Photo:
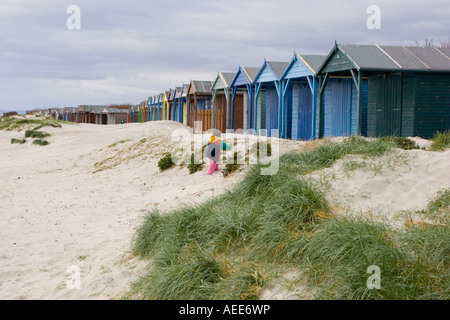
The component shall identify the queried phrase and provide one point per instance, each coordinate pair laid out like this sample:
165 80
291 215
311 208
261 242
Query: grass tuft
19 141
441 141
40 142
230 247
165 162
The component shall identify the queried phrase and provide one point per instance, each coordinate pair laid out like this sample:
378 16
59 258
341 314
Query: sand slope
77 202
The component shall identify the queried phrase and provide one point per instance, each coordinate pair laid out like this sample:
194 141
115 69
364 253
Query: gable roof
271 71
223 80
249 74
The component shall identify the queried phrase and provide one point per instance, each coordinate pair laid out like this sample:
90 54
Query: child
215 145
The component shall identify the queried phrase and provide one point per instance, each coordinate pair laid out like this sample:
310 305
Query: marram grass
232 246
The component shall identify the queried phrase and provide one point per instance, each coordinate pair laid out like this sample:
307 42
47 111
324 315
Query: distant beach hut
115 115
221 89
184 93
270 89
171 110
299 79
243 82
69 114
154 102
89 113
199 101
166 105
178 104
97 116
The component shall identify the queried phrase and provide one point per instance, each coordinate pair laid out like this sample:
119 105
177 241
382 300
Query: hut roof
228 77
278 67
314 61
114 110
394 58
198 86
251 73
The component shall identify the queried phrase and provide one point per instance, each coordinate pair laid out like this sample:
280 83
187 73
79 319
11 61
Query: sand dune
78 201
74 205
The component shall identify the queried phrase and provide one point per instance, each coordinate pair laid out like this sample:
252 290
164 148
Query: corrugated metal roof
202 86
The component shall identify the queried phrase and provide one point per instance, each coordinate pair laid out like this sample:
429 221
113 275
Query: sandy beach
77 202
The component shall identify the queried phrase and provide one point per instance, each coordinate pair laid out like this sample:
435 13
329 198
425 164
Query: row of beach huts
371 90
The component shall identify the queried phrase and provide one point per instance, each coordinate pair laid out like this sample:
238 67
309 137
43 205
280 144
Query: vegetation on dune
194 167
166 162
232 246
19 141
20 123
441 141
402 142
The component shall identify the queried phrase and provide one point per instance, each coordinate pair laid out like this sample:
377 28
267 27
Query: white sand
389 188
57 213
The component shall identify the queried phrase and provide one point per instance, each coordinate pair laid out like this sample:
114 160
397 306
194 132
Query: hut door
389 101
304 112
271 110
338 103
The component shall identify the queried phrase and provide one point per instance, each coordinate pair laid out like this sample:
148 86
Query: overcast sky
126 50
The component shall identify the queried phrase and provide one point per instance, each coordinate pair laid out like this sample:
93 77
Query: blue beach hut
299 78
269 89
243 81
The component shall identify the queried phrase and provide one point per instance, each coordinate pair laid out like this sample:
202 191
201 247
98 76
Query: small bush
40 142
36 134
20 141
194 167
268 148
441 141
401 142
231 167
165 162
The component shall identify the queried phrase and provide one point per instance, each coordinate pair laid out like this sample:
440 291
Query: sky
125 51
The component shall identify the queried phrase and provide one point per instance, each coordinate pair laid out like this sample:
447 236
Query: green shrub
165 162
194 167
36 134
40 142
401 142
20 141
231 167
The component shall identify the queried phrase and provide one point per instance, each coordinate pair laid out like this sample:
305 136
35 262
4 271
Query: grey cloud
127 48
